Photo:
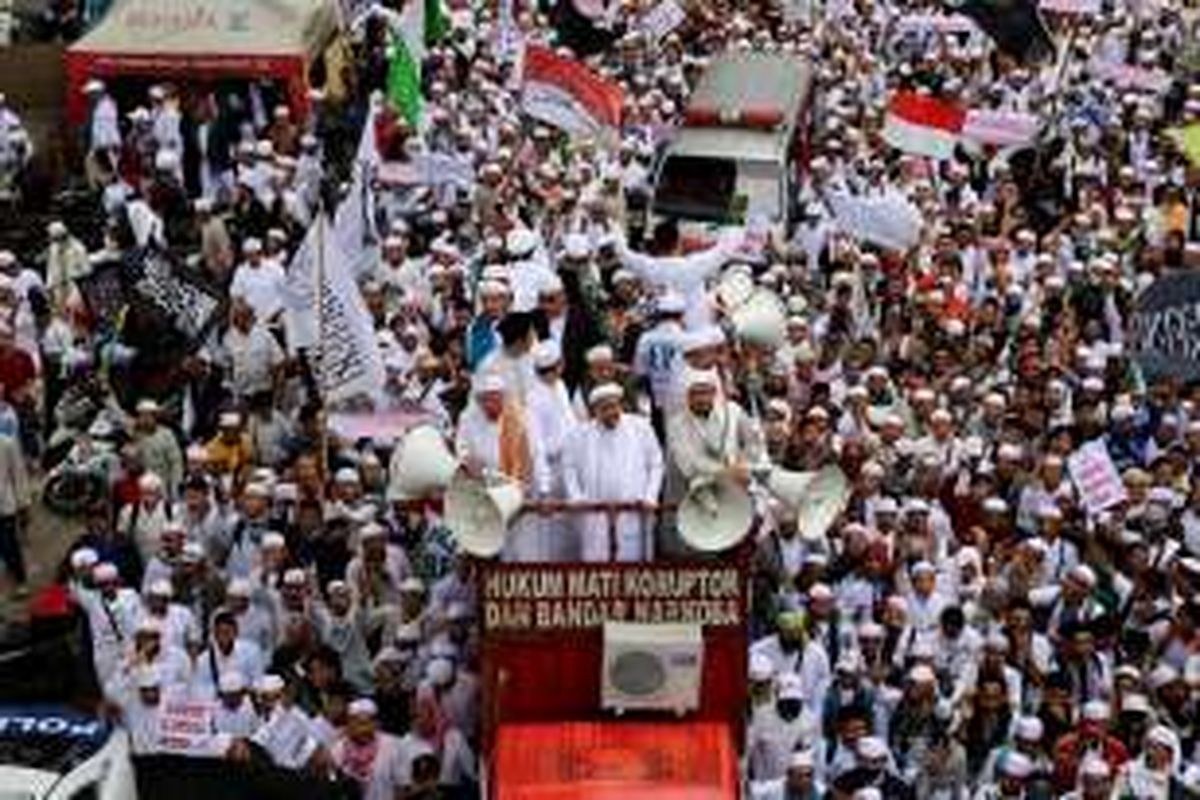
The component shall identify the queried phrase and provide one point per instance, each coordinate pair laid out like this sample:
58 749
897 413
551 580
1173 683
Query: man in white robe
552 420
614 458
685 274
226 653
712 438
112 612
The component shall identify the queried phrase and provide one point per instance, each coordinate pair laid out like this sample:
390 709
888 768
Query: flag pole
319 290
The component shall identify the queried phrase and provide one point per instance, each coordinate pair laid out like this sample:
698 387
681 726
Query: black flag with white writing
1014 25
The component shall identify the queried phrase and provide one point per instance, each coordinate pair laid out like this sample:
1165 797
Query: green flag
404 82
437 24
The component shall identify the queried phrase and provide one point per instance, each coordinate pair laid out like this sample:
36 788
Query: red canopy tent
181 39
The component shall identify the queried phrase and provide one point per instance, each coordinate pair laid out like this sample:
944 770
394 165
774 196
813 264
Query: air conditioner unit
652 667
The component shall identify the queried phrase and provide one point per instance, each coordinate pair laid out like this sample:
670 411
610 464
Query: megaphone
479 510
423 465
818 498
761 320
715 515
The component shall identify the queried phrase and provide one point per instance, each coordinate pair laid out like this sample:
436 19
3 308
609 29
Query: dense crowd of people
971 625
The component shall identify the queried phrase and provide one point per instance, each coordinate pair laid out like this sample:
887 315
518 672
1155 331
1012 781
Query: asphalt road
45 542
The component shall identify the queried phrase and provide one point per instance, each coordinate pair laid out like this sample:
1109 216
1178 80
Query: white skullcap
363 707
520 242
269 684
709 336
1016 764
922 674
407 633
1096 711
761 668
599 353
1029 729
802 759
871 748
547 354
1095 767
295 577
577 246
231 681
84 558
239 587
605 391
702 377
440 671
272 540
488 383
149 482
161 588
105 572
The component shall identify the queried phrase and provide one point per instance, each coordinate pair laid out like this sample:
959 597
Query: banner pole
318 294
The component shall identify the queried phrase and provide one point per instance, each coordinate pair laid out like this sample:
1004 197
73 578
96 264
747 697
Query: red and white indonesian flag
568 95
923 125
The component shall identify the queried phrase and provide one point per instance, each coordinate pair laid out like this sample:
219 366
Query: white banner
1096 477
889 220
348 362
185 727
1001 128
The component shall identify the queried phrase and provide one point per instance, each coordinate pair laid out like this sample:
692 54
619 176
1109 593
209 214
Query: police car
55 753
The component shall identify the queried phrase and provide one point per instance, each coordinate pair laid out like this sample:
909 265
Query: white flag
341 339
354 222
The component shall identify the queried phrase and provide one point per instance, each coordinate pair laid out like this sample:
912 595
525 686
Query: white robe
112 624
245 658
389 772
624 464
240 722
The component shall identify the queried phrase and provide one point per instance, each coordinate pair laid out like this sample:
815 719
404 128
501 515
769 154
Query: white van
741 146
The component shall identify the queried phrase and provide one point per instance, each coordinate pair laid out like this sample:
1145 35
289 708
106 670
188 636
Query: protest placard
1096 477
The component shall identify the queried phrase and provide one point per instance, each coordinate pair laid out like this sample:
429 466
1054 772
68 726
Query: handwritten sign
520 599
1096 477
663 18
1081 7
185 727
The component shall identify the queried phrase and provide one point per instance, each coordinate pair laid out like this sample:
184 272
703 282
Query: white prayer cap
84 558
709 336
1029 729
702 378
995 505
520 242
761 668
605 391
258 489
820 591
231 682
1084 575
363 707
1136 703
923 568
1095 767
802 759
552 284
1009 452
1096 711
273 540
286 492
160 588
149 625
229 419
941 415
412 584
547 354
789 687
1160 676
867 793
149 482
871 747
490 288
105 572
56 229
440 671
252 245
489 383
93 86
1015 764
601 353
408 633
148 406
295 577
922 674
238 587
347 475
577 246
269 684
193 553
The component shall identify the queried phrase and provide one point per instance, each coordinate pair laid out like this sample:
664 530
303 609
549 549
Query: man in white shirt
255 357
259 281
226 653
112 612
614 458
